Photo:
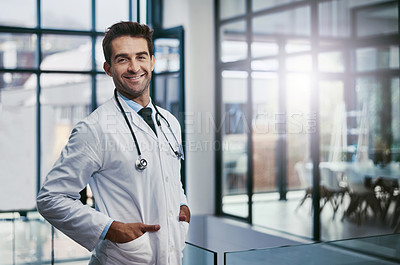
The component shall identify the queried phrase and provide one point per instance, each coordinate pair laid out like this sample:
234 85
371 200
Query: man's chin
131 93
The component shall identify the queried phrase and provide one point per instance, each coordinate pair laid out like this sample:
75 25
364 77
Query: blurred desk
391 170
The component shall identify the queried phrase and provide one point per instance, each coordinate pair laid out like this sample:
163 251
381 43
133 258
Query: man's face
131 67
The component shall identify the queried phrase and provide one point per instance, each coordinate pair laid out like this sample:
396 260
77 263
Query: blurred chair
386 190
396 213
330 189
305 176
395 195
334 189
362 196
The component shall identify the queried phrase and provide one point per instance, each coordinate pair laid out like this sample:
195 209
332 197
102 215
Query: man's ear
107 68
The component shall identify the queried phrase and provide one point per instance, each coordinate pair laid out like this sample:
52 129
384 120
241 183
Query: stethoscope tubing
141 163
127 122
178 154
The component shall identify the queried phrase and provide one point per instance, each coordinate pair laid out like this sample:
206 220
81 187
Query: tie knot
145 112
146 115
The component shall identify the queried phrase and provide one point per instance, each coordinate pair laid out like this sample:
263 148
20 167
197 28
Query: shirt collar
135 106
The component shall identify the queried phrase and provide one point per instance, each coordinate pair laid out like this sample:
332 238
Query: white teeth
133 78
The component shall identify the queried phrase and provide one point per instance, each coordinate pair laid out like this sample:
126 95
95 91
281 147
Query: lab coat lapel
136 120
142 125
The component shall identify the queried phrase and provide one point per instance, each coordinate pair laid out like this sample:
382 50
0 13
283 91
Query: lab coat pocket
135 244
184 231
137 251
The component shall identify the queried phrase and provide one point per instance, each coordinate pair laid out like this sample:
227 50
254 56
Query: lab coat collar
136 119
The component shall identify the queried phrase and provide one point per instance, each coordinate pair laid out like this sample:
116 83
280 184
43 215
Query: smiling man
131 165
130 67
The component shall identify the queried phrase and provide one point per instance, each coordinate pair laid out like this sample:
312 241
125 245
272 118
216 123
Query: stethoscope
141 163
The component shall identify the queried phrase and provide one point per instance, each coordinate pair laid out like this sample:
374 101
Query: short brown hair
126 28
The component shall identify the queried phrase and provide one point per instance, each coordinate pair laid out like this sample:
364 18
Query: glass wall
368 250
301 74
235 141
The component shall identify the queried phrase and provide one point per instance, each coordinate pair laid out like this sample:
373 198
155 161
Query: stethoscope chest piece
141 163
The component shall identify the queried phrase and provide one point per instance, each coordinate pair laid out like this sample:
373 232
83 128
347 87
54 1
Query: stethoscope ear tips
141 163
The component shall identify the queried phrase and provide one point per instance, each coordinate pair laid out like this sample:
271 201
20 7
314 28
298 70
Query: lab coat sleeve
58 200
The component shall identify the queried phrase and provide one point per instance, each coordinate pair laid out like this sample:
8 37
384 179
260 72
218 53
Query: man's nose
133 67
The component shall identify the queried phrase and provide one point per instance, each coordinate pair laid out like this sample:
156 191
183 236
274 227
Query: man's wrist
105 230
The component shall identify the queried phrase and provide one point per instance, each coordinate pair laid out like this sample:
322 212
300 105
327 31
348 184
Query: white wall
197 18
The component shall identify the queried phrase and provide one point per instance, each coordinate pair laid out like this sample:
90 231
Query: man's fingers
184 214
182 217
150 228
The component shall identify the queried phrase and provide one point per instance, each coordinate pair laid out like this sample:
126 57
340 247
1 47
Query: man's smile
134 77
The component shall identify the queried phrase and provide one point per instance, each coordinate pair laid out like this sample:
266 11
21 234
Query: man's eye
121 60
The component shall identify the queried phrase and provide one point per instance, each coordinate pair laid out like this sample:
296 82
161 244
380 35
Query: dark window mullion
281 154
38 91
94 66
138 11
250 175
218 113
130 13
314 109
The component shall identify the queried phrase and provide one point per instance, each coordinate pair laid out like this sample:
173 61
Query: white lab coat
101 152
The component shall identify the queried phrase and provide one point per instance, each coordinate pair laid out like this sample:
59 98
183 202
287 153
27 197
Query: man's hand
184 214
126 232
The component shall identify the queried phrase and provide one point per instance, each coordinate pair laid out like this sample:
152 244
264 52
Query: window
293 75
50 77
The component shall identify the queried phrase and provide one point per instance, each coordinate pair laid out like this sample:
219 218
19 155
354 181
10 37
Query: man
141 214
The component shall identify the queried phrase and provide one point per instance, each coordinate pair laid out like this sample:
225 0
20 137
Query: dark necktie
146 115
